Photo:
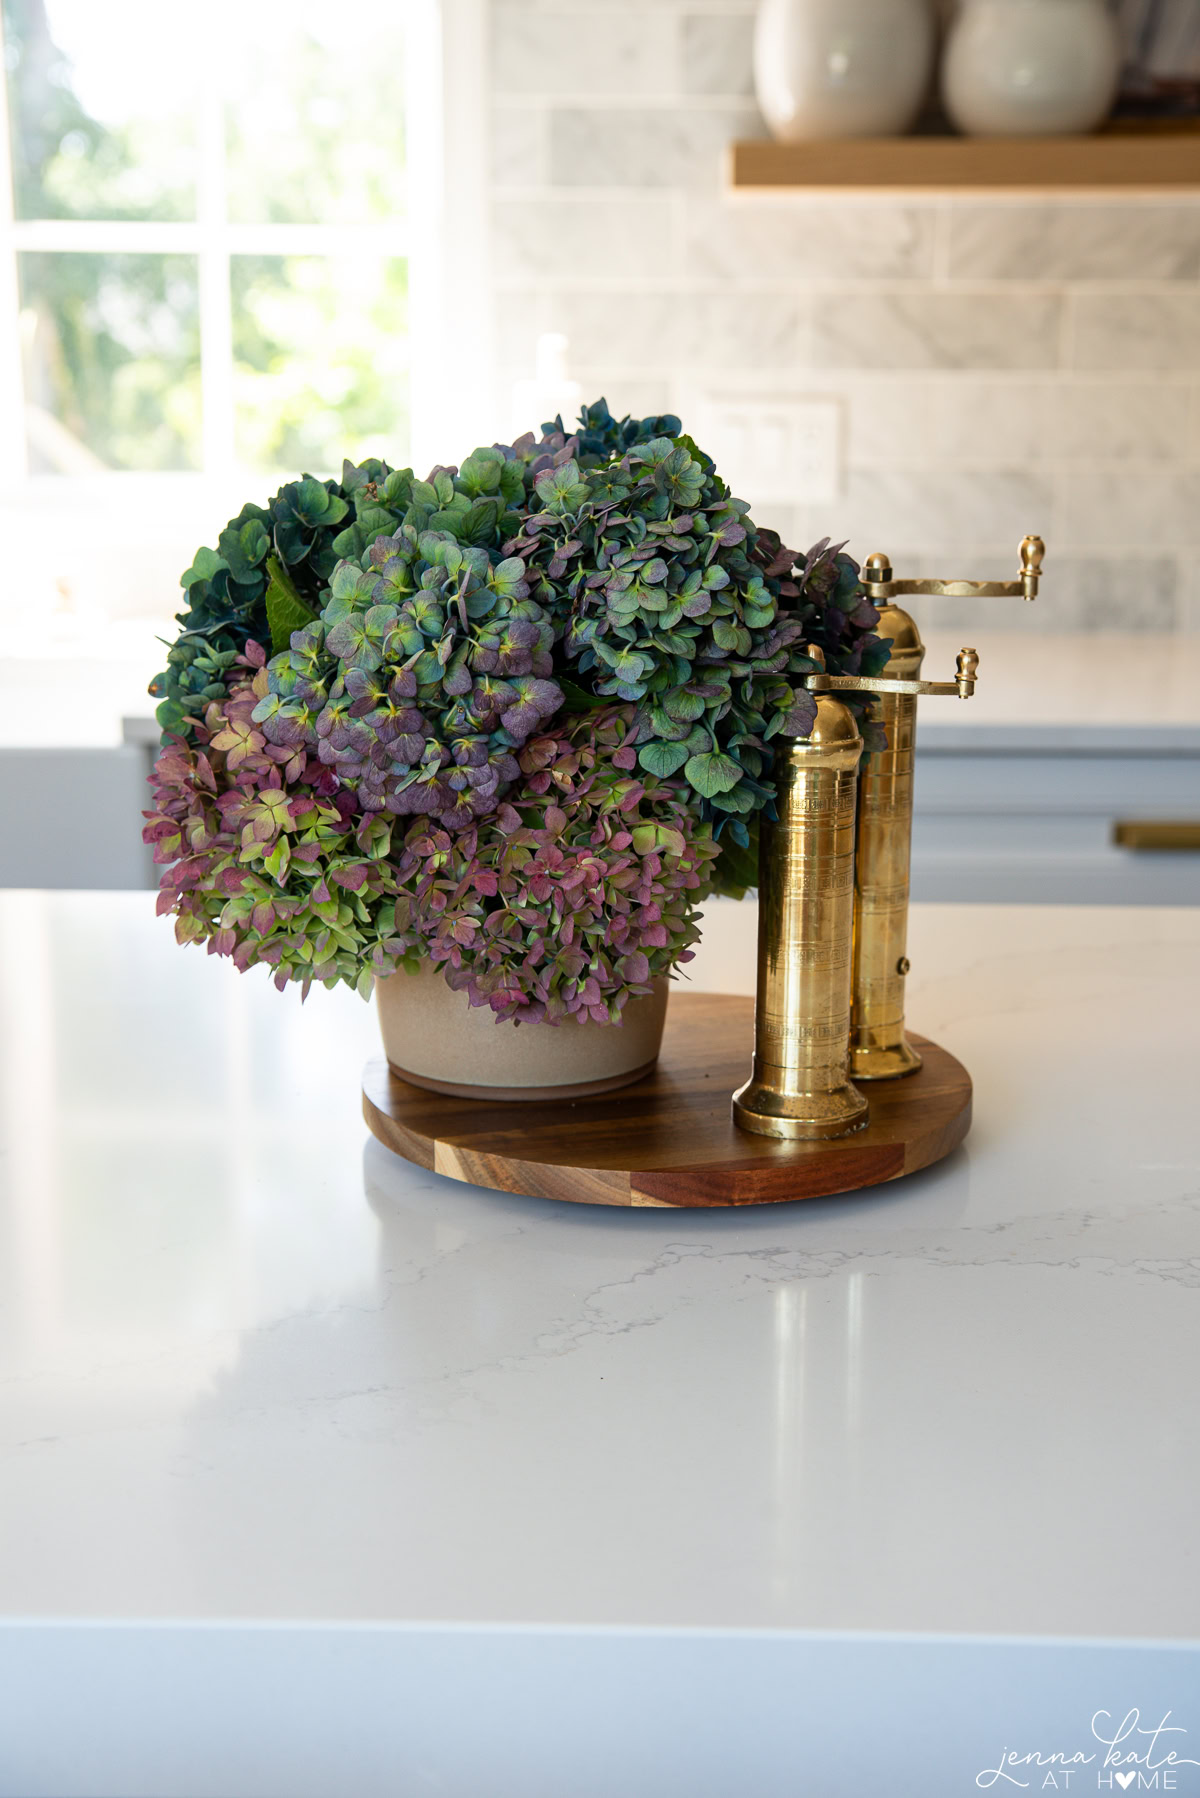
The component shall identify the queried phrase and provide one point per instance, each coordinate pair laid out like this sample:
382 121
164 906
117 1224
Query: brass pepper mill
799 1085
879 1049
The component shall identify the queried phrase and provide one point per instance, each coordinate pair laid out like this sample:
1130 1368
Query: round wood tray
671 1140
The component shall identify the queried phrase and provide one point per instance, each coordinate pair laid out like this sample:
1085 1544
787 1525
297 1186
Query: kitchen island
320 1474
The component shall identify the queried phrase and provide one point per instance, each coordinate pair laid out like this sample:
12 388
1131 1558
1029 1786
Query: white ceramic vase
433 1038
842 68
1018 68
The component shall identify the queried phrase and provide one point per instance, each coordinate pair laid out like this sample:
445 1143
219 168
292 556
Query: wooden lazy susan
671 1140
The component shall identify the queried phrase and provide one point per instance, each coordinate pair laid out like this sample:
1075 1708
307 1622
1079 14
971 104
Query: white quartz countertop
258 1374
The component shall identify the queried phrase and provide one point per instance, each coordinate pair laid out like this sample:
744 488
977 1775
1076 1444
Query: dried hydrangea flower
265 857
580 893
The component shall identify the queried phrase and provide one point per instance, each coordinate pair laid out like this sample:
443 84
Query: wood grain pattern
1113 160
670 1140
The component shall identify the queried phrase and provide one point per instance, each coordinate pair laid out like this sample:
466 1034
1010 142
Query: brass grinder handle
961 687
880 583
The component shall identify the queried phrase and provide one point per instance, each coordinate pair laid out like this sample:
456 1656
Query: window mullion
446 107
14 462
216 321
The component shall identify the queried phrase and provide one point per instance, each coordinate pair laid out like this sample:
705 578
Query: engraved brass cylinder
798 1086
879 1049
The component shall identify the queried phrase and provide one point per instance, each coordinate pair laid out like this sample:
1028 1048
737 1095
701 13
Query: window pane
111 351
315 115
102 101
320 350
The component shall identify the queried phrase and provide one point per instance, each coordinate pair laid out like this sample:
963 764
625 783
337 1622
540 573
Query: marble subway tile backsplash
716 54
612 51
1143 240
1120 420
537 239
519 144
1146 329
930 328
1131 505
933 420
1089 594
805 243
961 510
999 365
652 147
646 330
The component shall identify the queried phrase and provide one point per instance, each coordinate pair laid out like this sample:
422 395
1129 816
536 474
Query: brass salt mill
799 1087
879 1049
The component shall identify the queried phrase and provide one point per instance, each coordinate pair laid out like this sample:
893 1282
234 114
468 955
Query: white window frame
444 239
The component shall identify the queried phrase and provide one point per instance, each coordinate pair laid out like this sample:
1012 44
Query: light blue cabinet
73 817
1027 813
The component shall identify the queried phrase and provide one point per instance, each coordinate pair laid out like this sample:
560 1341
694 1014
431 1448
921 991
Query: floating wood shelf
1146 161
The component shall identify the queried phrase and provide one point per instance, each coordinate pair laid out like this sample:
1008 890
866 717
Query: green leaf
314 504
243 547
349 542
683 441
684 707
374 521
169 714
286 611
736 871
712 773
479 522
480 473
205 563
664 726
576 700
662 759
740 800
625 663
427 668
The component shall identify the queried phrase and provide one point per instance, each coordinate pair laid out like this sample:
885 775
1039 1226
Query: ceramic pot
842 68
433 1038
1043 68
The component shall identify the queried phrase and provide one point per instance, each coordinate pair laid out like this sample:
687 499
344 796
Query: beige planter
434 1038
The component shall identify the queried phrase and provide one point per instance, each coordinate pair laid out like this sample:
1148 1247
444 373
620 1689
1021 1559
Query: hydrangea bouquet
514 720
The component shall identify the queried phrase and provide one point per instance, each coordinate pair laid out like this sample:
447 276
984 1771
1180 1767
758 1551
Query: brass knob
903 965
877 568
967 666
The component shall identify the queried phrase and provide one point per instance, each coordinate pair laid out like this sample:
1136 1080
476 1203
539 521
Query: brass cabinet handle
1157 833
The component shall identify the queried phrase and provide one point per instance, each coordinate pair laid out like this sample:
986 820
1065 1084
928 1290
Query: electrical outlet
781 450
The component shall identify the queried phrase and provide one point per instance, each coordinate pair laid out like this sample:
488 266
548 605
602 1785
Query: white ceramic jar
842 68
1016 68
433 1038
